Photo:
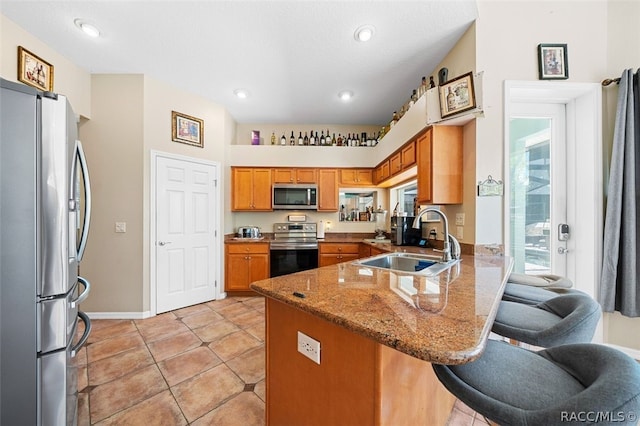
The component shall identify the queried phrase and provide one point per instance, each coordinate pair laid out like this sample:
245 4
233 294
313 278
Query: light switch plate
459 218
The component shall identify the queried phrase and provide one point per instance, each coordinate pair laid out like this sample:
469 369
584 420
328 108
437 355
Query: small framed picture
552 62
457 95
34 71
187 129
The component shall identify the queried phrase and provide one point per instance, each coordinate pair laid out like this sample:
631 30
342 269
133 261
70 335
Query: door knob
163 243
562 250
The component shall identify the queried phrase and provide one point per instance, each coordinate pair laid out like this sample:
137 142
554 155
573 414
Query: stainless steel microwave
295 196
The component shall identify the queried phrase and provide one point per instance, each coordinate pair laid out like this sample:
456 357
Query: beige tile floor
201 365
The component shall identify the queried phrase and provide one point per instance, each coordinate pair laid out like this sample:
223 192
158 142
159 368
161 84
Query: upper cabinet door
306 176
293 175
440 165
328 190
250 189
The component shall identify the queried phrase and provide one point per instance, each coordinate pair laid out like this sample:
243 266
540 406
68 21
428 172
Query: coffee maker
403 233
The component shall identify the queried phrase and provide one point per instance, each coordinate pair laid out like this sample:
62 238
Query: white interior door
537 190
185 237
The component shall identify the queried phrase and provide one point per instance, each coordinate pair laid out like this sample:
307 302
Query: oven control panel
295 227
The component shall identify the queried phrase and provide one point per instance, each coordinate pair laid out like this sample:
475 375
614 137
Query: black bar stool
569 318
565 385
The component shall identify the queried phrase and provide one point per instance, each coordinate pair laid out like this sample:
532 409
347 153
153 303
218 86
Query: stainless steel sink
408 262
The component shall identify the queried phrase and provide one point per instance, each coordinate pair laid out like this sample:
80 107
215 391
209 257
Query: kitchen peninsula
379 330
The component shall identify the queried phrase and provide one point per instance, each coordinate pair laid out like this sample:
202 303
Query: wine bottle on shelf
273 138
394 118
283 140
333 140
305 141
339 140
322 141
414 97
312 139
329 138
292 139
300 140
423 87
317 140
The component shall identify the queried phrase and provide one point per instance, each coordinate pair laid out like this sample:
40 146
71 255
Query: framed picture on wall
552 62
187 129
34 71
457 95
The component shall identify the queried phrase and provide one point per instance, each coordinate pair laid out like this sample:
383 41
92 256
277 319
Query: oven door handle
310 246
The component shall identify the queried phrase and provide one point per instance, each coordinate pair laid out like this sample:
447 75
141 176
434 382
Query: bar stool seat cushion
570 318
514 386
545 280
522 293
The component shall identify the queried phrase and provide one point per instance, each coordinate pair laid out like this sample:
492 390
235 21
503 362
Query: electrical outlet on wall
309 347
459 218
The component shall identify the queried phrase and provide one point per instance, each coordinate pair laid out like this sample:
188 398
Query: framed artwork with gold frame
187 129
34 71
457 95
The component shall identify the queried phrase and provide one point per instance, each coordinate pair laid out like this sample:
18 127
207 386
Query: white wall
132 118
68 79
507 36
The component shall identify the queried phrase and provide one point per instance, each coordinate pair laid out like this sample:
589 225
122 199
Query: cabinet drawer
339 248
334 259
261 248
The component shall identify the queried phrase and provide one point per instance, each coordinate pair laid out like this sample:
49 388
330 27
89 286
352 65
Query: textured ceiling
292 56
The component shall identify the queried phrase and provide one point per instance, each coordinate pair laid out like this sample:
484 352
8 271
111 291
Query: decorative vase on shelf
443 75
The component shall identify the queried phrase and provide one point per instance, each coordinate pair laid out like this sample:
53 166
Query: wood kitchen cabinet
332 253
356 177
376 251
367 250
382 172
440 165
250 189
244 264
293 175
403 159
328 190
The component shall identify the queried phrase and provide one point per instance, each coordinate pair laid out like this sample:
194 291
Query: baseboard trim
120 315
633 353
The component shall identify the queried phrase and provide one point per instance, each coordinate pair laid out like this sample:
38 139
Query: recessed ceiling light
364 33
88 29
345 95
241 93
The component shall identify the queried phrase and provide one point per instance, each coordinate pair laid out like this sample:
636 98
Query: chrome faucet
446 250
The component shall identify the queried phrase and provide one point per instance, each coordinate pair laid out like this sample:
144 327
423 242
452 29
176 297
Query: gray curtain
620 285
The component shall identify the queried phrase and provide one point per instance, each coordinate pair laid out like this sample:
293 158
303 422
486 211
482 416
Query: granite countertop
447 322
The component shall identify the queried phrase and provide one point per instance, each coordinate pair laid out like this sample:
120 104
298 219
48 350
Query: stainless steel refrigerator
44 222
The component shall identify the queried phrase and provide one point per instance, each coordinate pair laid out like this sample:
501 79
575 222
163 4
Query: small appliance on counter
249 232
403 233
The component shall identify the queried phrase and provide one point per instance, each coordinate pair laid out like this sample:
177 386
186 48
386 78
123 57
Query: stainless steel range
294 248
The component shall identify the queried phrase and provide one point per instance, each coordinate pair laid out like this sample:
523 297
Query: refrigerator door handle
87 200
82 296
87 330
